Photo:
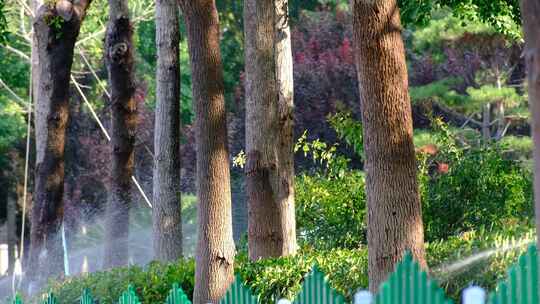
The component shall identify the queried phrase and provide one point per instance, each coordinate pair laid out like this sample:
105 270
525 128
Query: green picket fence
522 285
408 284
238 293
316 290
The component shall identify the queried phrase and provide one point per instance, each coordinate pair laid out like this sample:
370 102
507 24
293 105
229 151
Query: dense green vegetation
346 270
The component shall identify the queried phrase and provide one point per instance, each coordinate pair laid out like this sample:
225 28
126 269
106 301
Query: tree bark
56 28
215 247
167 221
394 209
269 129
530 10
119 60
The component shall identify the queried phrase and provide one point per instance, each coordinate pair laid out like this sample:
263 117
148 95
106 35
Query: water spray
64 246
16 278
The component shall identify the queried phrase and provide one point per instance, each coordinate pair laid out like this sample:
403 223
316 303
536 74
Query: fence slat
86 297
521 286
129 296
316 290
408 284
177 296
238 293
50 299
16 300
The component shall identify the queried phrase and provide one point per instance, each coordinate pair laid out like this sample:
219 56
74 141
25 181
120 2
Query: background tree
119 60
56 28
393 201
269 129
530 10
166 213
3 23
215 248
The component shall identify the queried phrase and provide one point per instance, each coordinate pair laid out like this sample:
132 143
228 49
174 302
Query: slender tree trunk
119 60
167 209
530 10
269 129
215 248
56 29
11 231
501 119
486 121
499 111
394 209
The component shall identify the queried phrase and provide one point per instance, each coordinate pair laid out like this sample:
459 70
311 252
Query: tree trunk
499 111
486 121
167 221
215 248
56 30
530 10
269 129
11 231
119 60
394 209
501 119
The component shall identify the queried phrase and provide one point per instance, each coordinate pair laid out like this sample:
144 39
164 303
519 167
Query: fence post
283 301
363 297
474 295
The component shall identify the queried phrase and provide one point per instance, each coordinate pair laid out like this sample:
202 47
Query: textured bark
394 210
167 221
119 60
54 49
530 10
269 129
215 248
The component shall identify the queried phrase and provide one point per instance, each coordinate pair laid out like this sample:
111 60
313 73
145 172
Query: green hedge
492 253
152 282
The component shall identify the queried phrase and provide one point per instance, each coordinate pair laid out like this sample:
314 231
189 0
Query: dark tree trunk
269 129
119 60
167 220
56 30
530 10
394 209
215 248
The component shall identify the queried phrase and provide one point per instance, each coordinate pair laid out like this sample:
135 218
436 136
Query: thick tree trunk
530 10
56 29
119 60
167 209
394 210
269 129
215 248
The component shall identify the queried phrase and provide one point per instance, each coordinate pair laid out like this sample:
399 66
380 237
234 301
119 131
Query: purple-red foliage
324 77
324 71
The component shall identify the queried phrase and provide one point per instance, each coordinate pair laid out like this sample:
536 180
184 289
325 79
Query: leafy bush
272 279
152 282
517 147
331 212
477 187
